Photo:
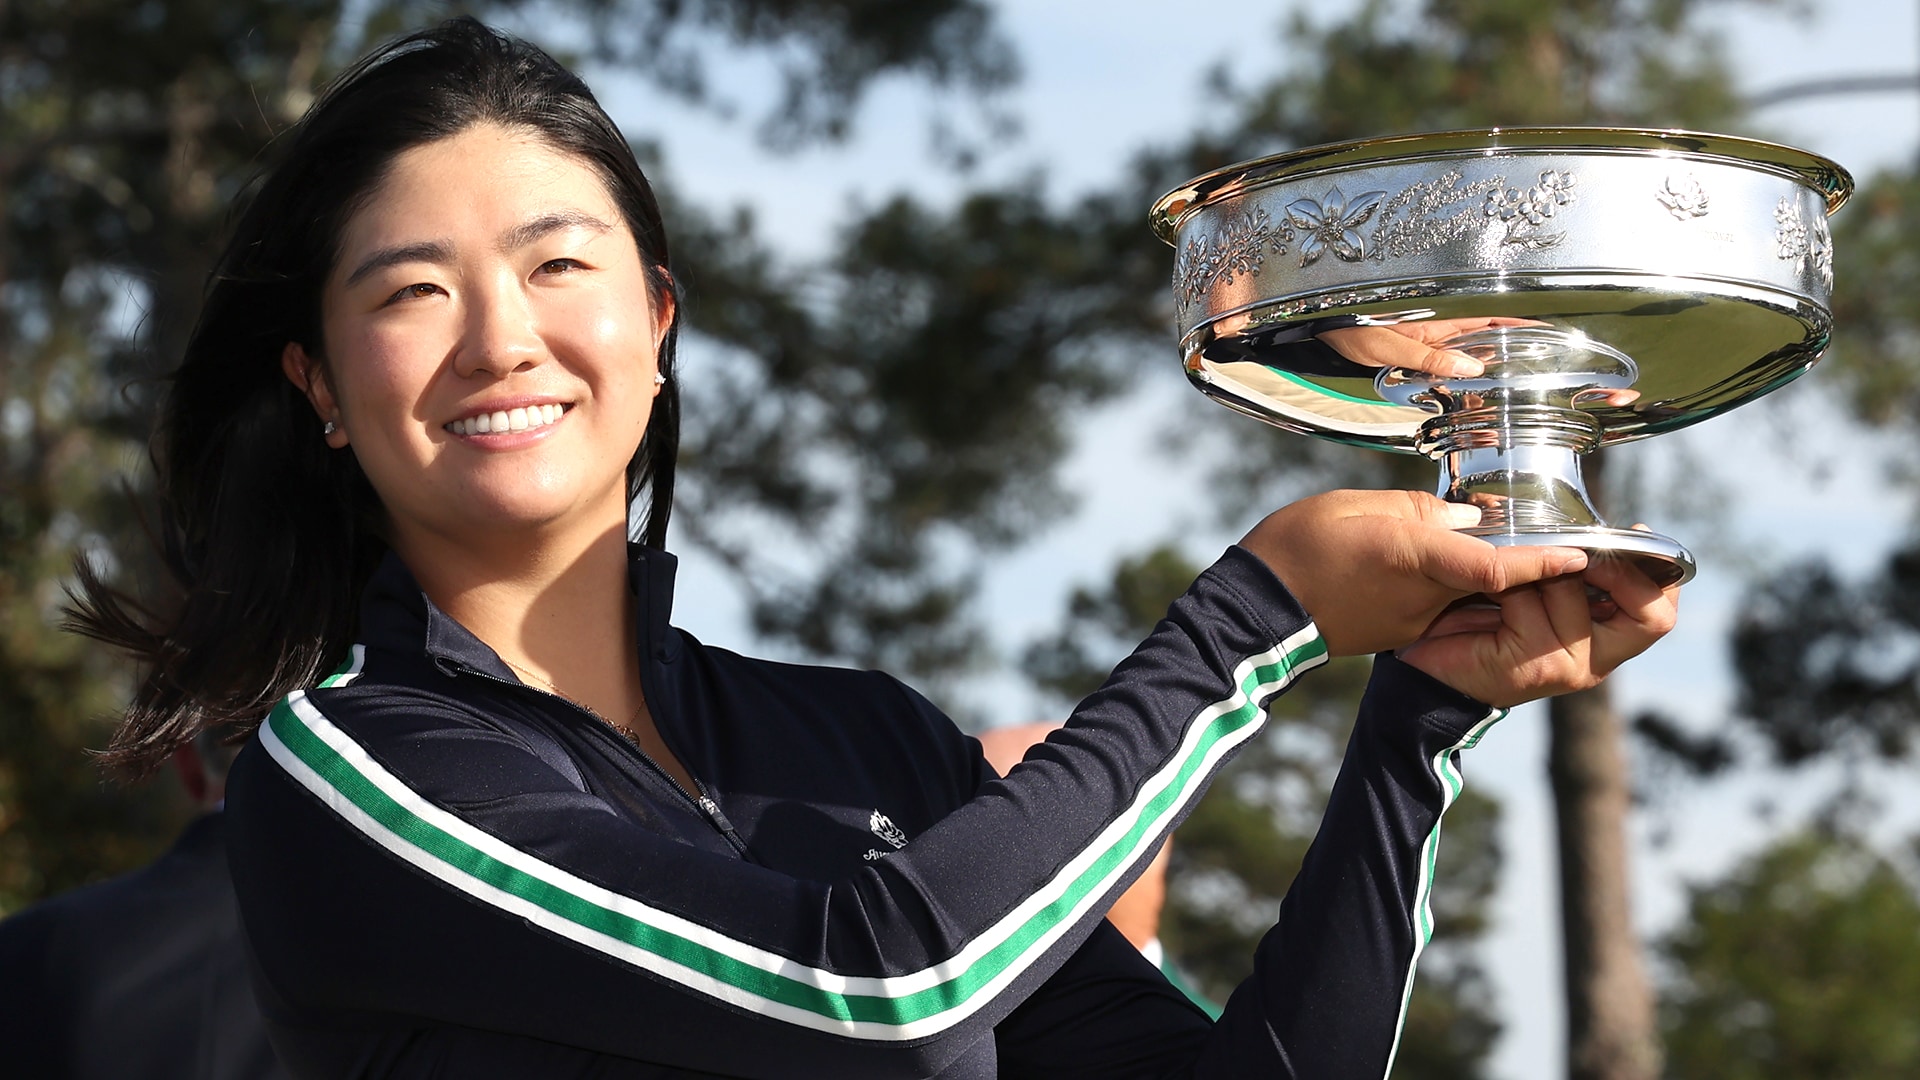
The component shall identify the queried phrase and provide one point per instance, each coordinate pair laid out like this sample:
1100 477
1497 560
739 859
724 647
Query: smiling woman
498 817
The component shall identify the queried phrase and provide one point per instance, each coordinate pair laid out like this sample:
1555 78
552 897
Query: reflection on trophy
1583 286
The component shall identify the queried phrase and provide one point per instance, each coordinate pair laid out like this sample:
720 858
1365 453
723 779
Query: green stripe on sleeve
1446 769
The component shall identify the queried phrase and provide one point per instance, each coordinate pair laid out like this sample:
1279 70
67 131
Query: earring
659 379
330 428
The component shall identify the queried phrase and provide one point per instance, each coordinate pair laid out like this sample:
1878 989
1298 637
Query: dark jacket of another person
143 977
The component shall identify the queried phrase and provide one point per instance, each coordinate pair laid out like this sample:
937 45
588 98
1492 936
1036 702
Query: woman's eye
413 292
559 266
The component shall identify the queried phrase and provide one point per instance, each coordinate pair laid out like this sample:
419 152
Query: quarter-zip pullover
444 872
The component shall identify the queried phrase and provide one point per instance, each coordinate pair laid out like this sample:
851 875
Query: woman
527 828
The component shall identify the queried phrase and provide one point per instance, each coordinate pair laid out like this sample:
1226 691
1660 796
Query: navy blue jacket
445 872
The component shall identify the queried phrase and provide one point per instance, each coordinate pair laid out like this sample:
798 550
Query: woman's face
491 342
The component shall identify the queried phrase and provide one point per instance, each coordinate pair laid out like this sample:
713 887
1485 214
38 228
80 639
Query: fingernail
1462 515
1464 365
1570 560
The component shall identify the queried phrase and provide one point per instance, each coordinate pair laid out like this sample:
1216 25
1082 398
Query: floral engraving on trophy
1333 223
1684 197
1820 249
1241 245
1427 226
1791 231
1804 241
1526 213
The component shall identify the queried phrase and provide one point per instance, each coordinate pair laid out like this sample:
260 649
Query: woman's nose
500 336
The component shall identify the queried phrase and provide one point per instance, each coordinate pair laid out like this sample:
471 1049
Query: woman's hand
1420 345
1539 640
1415 344
1376 568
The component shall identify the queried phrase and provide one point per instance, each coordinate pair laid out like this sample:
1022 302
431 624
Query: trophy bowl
1610 284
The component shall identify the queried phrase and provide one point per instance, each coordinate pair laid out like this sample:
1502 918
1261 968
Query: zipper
716 817
697 799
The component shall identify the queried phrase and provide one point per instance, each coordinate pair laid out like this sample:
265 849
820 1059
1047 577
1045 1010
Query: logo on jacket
884 828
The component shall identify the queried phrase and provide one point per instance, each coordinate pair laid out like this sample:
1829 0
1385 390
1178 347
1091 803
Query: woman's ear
305 372
662 323
665 308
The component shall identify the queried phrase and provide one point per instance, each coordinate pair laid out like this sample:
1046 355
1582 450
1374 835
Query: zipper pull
719 821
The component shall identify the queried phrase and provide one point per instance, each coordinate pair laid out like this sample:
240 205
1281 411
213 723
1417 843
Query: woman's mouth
504 420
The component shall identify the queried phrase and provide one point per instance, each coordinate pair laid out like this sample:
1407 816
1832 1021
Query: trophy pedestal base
1661 558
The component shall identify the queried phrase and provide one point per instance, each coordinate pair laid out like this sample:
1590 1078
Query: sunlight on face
490 342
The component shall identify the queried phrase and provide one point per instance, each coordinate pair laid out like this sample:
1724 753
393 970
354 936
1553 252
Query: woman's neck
558 610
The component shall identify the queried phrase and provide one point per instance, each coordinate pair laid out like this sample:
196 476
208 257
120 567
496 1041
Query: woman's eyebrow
428 251
522 235
440 251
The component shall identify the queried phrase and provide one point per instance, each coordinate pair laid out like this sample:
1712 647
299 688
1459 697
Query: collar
395 614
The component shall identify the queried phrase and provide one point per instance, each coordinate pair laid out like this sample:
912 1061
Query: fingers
1645 612
1547 622
1565 604
1447 362
1634 593
1544 638
1618 398
1389 346
1424 506
1378 569
1469 615
1600 605
1538 643
1471 565
1415 506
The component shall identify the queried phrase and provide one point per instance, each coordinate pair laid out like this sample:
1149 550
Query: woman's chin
525 516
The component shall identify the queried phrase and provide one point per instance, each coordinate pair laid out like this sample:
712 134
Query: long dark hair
267 534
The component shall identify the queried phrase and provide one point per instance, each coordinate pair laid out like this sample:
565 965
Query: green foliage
122 134
1875 361
906 396
1468 63
828 52
1823 663
1450 1028
1825 667
1066 664
1804 961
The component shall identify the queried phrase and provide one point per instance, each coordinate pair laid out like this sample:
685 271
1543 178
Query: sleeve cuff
1260 593
1433 704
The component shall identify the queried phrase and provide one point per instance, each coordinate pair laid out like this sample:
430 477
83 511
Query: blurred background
936 425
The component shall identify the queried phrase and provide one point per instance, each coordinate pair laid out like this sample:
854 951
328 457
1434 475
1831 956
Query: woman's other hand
1422 345
1549 638
1375 569
1417 344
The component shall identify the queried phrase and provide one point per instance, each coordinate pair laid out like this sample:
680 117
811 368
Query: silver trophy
1612 284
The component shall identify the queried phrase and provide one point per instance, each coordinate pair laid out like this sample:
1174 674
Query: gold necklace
626 730
555 690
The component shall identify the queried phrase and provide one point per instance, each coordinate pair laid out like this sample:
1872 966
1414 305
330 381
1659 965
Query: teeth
532 416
